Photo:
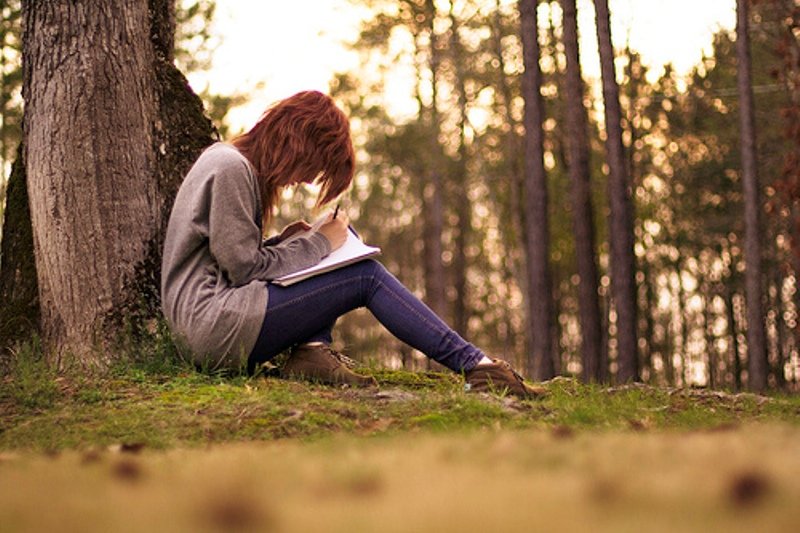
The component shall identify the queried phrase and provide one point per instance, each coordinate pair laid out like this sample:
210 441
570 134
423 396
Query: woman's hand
293 229
335 230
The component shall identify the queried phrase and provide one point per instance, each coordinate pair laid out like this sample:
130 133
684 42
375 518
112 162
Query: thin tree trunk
756 338
684 325
650 309
582 210
620 220
537 226
432 191
647 326
736 363
512 216
462 204
514 150
711 348
780 330
668 355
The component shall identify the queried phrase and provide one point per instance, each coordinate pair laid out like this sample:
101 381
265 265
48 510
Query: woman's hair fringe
304 137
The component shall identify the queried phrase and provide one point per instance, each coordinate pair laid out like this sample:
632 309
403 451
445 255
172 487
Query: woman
216 269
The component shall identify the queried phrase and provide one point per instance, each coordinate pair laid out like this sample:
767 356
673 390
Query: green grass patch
31 383
168 404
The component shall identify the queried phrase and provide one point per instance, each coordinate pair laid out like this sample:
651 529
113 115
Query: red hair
303 138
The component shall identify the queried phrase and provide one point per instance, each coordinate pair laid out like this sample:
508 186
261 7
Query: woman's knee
370 268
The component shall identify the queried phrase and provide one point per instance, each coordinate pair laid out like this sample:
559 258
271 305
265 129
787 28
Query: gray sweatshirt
215 267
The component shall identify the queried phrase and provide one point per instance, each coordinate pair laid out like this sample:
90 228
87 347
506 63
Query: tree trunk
583 217
512 215
110 128
735 362
537 237
463 206
432 192
651 307
620 220
668 354
684 328
781 332
710 339
19 312
756 339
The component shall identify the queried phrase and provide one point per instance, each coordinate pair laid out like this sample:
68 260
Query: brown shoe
500 378
318 362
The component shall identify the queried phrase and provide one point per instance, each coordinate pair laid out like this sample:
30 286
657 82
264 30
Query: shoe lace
517 375
342 358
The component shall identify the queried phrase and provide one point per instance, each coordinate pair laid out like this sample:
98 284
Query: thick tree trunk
89 160
103 161
756 338
620 220
536 219
582 211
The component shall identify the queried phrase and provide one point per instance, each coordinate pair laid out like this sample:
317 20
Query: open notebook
353 250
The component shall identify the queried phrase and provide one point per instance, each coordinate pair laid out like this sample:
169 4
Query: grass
154 399
742 479
153 444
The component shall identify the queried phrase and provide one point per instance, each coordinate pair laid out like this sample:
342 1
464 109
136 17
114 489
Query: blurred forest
447 191
456 170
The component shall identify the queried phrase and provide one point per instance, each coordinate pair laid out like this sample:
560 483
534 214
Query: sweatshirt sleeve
235 238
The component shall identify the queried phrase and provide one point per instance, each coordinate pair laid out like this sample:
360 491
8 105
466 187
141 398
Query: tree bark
463 207
582 216
512 216
756 337
103 160
735 362
537 238
432 191
710 339
620 220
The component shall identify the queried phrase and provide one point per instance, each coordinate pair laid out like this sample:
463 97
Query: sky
274 48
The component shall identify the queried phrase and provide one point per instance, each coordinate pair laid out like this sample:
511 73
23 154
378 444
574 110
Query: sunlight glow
271 49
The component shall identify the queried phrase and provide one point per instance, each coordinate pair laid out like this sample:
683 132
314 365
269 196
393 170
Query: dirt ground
741 478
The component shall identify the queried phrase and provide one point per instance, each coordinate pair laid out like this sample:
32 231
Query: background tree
620 219
756 342
10 85
592 346
536 219
195 44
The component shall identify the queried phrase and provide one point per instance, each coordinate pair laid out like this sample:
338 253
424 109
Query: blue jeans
307 311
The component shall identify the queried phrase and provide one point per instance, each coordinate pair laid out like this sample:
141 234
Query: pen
336 212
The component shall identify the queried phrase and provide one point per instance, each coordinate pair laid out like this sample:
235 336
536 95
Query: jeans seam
411 309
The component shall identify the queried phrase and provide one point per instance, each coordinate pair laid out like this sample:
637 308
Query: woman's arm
235 236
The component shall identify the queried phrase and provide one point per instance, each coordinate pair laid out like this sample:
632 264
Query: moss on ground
167 404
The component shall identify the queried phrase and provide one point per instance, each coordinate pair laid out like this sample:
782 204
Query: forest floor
163 447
